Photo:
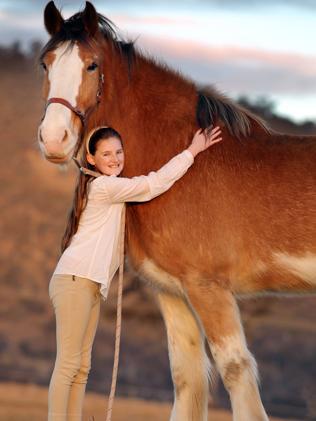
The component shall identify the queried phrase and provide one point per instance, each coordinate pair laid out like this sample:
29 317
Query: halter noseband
67 104
83 115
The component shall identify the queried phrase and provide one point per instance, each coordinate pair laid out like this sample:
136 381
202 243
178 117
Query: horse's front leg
189 363
219 313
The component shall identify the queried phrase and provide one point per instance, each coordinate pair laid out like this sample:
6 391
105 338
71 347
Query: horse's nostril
41 137
65 136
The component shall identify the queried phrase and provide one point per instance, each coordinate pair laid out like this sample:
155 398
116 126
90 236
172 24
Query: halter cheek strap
67 104
83 115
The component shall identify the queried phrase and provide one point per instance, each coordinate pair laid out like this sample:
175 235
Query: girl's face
109 156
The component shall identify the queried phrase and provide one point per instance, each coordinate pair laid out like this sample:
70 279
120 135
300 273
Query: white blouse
93 251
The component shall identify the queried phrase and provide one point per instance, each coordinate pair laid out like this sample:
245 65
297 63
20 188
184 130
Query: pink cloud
135 20
197 51
235 69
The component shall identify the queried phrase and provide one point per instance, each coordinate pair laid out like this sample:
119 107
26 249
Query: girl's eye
43 66
92 67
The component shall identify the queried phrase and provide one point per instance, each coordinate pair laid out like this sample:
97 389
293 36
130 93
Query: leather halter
83 115
67 104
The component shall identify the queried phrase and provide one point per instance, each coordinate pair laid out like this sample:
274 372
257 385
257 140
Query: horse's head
72 82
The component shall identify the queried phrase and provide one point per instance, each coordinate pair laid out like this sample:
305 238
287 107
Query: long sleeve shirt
93 251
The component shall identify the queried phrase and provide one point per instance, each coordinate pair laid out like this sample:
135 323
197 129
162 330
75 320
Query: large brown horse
241 221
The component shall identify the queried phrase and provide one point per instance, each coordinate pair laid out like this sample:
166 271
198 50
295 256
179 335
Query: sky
257 48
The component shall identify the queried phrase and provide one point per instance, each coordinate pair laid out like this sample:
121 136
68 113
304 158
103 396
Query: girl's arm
144 188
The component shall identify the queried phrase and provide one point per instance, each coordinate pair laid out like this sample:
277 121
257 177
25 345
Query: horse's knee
180 383
236 369
234 360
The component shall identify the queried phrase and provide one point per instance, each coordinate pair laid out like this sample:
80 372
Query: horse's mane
211 105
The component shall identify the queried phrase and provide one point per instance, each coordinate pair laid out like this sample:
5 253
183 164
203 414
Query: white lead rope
119 300
118 318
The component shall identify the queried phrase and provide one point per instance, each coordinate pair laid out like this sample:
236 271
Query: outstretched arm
144 188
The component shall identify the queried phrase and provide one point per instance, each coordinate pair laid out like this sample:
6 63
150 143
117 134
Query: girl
90 256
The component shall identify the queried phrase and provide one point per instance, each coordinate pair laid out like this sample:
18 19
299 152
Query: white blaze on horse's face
60 129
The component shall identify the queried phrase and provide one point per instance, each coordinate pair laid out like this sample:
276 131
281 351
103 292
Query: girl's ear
90 159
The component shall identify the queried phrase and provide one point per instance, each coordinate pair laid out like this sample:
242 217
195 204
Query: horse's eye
43 66
92 67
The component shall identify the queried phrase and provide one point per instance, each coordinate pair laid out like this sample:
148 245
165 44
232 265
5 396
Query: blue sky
258 48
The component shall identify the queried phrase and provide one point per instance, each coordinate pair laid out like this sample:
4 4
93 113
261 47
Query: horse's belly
170 259
159 279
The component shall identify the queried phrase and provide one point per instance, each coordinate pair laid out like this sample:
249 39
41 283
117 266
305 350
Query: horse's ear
53 20
90 19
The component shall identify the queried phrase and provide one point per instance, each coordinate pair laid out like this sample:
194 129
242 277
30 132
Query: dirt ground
27 402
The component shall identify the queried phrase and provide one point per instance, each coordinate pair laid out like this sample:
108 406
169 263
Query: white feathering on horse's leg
238 370
218 311
190 366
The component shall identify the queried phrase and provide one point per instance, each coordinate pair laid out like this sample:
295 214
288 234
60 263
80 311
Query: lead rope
119 300
118 318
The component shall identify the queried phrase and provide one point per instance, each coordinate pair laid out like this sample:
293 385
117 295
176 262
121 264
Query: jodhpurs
76 303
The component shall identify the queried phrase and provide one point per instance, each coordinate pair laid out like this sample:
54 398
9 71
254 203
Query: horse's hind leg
189 363
219 313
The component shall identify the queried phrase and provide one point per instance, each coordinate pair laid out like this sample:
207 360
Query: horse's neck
154 111
151 86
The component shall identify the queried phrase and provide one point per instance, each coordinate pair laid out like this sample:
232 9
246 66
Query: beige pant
76 303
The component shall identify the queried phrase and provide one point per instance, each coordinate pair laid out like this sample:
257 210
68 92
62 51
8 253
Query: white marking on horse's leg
65 77
302 266
239 373
190 366
219 313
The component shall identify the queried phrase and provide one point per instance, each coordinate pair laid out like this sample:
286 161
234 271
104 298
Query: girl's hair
81 192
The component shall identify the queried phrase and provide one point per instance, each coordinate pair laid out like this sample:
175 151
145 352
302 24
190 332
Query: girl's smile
109 156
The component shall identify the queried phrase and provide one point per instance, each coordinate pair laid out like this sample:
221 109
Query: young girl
90 256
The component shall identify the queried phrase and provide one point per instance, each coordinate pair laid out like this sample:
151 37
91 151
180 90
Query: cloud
231 68
237 70
232 4
251 4
222 4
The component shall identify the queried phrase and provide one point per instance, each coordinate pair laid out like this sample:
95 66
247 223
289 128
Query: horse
241 222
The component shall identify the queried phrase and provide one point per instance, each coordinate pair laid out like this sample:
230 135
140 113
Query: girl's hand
204 139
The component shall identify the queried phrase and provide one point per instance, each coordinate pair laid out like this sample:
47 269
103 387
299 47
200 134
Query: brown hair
81 192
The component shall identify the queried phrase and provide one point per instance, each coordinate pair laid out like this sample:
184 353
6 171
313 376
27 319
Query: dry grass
28 402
